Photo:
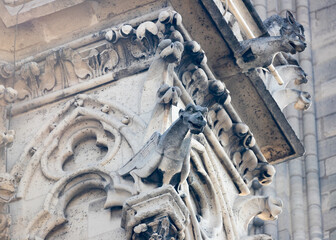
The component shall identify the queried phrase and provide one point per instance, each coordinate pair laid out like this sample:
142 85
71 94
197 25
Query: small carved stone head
194 117
294 31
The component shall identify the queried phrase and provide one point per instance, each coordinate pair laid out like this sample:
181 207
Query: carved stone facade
155 120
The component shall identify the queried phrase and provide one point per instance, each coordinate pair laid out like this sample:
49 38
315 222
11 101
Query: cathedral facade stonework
160 120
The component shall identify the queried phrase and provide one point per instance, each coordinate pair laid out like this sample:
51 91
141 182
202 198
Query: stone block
325 106
327 87
328 183
329 124
317 5
322 168
327 148
324 59
325 201
332 235
319 131
329 219
323 27
330 165
332 200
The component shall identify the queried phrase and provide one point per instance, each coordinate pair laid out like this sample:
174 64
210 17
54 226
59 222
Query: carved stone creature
165 158
286 37
286 27
259 52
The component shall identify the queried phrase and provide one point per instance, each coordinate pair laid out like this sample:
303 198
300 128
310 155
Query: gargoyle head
194 117
294 31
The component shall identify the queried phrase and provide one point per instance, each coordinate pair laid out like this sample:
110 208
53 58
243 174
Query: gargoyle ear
180 112
290 17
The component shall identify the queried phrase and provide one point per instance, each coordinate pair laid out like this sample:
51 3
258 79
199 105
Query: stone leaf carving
159 214
29 82
166 156
100 63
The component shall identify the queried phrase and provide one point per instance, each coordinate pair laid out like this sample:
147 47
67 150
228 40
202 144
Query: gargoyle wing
142 157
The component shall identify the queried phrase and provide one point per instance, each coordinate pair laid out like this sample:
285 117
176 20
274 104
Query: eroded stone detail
7 192
6 138
259 52
160 214
248 207
7 95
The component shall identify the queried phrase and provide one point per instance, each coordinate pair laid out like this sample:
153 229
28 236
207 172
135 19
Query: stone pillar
309 133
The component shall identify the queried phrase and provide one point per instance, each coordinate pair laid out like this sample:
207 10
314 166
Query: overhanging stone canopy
128 147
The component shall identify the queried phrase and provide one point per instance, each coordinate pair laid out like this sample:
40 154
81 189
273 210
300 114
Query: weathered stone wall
323 27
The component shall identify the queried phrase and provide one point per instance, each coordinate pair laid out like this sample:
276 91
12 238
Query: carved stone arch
66 189
109 124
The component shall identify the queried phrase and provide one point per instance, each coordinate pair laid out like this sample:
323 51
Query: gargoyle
285 27
286 37
165 158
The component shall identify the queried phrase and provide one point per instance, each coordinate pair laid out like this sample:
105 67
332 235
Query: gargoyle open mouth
196 127
297 45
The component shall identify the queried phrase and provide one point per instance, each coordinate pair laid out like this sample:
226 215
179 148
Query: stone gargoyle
286 37
285 27
164 159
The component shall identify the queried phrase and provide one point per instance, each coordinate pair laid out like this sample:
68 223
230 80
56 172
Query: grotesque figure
165 158
286 27
286 37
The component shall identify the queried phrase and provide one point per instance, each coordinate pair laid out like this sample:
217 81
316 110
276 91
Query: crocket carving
165 158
